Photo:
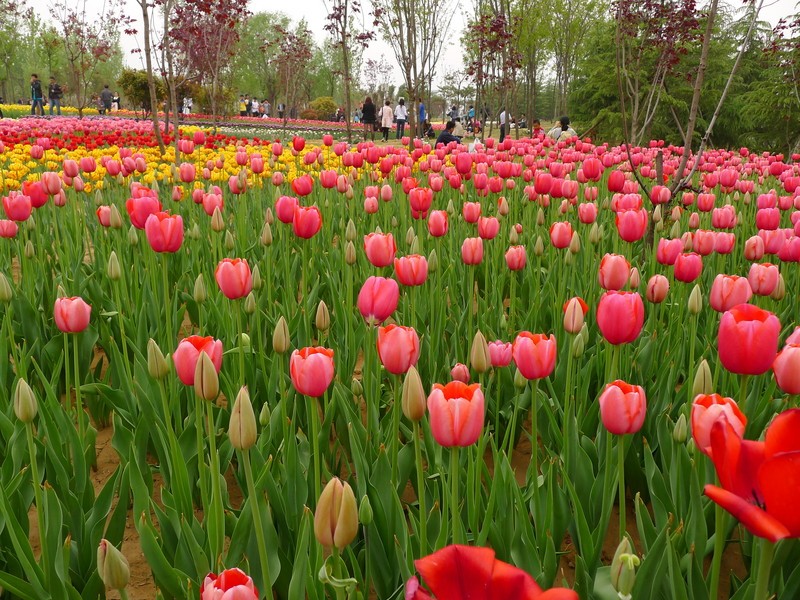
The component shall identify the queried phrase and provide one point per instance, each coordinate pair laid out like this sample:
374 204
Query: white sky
313 12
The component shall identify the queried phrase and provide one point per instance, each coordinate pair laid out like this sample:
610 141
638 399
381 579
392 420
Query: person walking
401 116
423 116
368 118
105 97
54 94
387 117
37 98
504 118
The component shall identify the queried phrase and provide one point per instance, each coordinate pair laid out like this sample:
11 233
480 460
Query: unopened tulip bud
433 261
25 405
479 353
595 233
269 217
702 379
746 198
336 517
578 346
5 289
258 283
394 222
206 380
378 229
217 222
451 210
575 243
356 388
250 304
350 232
280 337
200 294
242 177
513 237
112 566
365 514
414 399
659 227
410 235
194 232
98 198
519 380
502 206
133 237
569 258
780 289
585 333
635 279
538 247
266 235
657 216
113 269
680 431
229 242
264 415
157 365
350 254
675 231
414 248
540 217
695 300
30 224
624 547
323 318
623 574
573 316
115 218
29 250
242 427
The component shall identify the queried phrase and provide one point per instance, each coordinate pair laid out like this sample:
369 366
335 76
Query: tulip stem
743 393
454 514
534 466
423 515
313 418
122 332
216 528
764 567
260 540
37 493
512 293
78 402
719 548
67 376
396 431
240 341
691 371
167 302
123 595
621 479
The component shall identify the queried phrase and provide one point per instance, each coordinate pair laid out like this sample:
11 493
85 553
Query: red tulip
17 206
688 267
748 339
668 251
311 370
471 211
8 229
516 258
587 212
378 299
729 290
380 248
622 407
140 207
437 223
472 251
104 215
164 232
411 270
620 316
763 278
187 172
488 227
456 412
703 242
398 348
307 221
303 185
284 208
614 272
631 224
724 242
188 352
560 234
758 477
234 278
232 584
534 354
327 179
616 181
50 183
420 200
71 314
787 369
657 289
467 573
38 195
707 409
500 353
211 202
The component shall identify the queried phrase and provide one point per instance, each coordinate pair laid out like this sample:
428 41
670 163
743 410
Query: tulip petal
779 480
757 521
458 572
511 583
737 461
782 433
558 594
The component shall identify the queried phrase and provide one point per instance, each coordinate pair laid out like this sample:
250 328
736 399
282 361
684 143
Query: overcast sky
313 12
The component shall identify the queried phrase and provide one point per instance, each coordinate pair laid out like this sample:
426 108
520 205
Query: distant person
422 117
470 116
116 103
281 110
401 116
267 107
458 131
105 97
453 114
447 135
254 107
54 95
536 128
504 117
523 122
37 98
562 131
368 115
427 130
387 118
242 106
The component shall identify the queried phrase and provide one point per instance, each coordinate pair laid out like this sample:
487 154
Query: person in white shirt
386 118
503 119
254 108
562 131
401 116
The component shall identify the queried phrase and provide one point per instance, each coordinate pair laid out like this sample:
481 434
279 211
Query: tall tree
13 14
291 53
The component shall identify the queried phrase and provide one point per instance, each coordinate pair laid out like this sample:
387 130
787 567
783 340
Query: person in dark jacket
54 95
447 135
37 97
368 114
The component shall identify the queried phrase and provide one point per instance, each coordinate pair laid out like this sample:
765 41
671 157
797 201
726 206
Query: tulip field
313 369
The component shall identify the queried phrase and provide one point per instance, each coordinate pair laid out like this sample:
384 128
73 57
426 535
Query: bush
135 88
324 108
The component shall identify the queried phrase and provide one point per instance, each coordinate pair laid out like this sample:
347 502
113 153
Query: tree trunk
151 82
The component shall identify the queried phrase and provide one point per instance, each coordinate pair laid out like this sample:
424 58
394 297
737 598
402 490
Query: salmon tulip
456 412
311 370
748 339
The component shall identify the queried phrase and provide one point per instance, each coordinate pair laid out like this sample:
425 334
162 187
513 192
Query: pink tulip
460 372
380 248
17 207
516 258
728 291
456 413
188 352
398 348
614 272
657 289
500 353
307 221
534 354
411 270
763 278
71 314
437 223
311 370
560 234
623 407
378 299
472 251
164 231
620 316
